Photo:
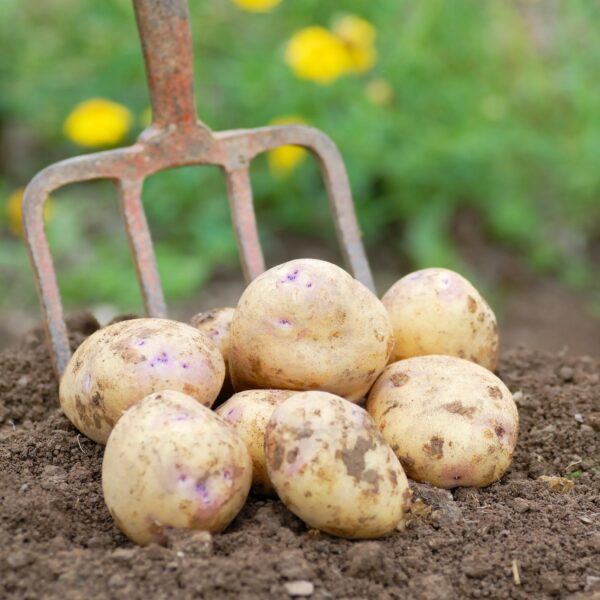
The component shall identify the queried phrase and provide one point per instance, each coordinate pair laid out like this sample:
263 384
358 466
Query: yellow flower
284 159
379 92
318 55
15 212
359 36
257 5
98 122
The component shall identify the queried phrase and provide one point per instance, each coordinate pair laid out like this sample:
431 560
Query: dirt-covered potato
216 324
172 463
308 325
437 311
451 422
331 467
124 362
248 413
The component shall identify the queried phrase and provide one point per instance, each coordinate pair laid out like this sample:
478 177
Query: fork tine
251 142
239 191
45 279
140 242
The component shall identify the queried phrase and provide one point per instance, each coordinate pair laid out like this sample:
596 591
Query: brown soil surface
516 539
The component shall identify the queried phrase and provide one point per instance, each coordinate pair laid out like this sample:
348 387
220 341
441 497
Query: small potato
331 467
216 324
451 422
437 311
248 413
173 463
124 362
307 324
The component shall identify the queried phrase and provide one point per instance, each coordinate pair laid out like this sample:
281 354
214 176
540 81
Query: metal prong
256 141
140 242
244 221
45 278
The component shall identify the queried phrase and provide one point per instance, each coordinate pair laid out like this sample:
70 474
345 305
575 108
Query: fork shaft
140 242
164 30
45 278
244 221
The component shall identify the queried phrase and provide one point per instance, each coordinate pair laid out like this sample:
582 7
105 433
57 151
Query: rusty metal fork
176 137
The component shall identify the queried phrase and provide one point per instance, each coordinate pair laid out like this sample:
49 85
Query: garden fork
177 138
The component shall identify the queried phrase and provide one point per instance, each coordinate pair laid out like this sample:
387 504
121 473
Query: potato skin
437 311
124 362
216 324
172 463
451 422
331 467
248 413
305 325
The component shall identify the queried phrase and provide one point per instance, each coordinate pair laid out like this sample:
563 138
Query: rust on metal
175 138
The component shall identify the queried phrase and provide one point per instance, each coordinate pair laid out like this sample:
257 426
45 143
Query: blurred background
470 131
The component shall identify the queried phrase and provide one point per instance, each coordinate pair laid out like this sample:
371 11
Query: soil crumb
518 538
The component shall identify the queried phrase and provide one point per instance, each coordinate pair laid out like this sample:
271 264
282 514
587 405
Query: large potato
248 413
437 311
173 463
216 324
331 467
126 361
451 422
307 324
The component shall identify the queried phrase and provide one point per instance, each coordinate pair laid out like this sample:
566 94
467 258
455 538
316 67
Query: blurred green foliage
495 108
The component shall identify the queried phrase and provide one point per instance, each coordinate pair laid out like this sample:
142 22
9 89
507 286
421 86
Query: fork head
175 138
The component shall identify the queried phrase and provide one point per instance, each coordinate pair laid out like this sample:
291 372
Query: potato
170 462
216 324
307 324
126 361
451 422
437 311
331 467
248 413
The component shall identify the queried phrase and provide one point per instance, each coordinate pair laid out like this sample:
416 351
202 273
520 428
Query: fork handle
164 31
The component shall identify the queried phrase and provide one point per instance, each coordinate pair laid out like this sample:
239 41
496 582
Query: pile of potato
305 347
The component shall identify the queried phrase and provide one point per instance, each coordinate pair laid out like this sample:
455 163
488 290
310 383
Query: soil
519 538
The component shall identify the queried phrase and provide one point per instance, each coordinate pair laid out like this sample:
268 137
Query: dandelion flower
98 122
284 159
14 211
316 54
257 5
359 36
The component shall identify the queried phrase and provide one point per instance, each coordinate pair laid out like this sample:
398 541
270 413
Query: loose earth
523 537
